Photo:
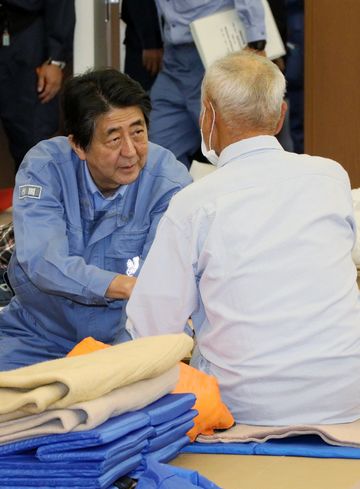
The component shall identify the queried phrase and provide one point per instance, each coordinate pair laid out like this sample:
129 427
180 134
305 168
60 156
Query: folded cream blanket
66 381
89 414
344 434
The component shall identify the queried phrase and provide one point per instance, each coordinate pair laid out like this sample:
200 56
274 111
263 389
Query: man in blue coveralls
175 95
86 208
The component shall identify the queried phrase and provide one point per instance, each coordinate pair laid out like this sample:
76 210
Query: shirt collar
100 201
242 148
93 189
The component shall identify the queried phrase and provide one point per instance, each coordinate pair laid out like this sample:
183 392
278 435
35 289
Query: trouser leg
175 96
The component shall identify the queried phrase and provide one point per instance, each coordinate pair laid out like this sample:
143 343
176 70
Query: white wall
84 40
90 36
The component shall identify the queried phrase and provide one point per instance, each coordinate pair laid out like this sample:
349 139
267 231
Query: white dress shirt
259 254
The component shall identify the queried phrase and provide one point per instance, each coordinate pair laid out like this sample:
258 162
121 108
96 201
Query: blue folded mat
169 452
160 476
166 409
169 436
96 458
27 465
169 425
296 446
112 429
100 482
162 455
103 452
169 407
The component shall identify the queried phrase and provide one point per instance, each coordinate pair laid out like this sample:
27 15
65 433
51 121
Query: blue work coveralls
176 93
67 254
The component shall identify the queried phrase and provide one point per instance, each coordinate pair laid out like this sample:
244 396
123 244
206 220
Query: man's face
118 150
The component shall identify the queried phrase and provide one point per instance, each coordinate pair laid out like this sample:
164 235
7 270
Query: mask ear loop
202 119
201 126
212 124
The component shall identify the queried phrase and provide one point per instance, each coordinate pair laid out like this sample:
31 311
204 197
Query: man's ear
78 149
284 107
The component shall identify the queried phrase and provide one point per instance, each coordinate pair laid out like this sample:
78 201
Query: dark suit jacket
141 18
58 21
142 32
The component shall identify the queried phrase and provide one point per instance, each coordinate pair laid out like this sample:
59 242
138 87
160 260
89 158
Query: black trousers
25 119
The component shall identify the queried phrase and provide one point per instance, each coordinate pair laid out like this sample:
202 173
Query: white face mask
209 154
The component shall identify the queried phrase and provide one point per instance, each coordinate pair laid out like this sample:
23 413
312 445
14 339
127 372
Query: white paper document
222 33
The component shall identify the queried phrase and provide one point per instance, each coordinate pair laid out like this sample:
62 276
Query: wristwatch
60 64
257 45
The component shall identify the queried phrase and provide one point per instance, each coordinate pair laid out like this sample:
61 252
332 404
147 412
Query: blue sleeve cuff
98 286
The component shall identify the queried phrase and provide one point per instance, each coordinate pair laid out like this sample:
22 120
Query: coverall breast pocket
183 6
124 253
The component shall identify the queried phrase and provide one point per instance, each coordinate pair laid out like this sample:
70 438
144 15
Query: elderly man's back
259 255
270 236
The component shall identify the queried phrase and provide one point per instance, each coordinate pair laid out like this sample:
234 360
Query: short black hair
87 96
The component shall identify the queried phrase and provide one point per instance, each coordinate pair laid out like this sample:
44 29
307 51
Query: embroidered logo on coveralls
32 191
132 265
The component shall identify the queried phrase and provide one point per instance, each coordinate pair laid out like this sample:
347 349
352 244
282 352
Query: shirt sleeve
251 12
42 245
59 27
165 294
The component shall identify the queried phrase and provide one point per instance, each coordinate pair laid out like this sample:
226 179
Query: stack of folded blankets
87 421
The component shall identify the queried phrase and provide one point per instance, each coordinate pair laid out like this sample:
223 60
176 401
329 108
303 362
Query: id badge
6 38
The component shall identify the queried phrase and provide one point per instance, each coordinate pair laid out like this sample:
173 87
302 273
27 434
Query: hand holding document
222 33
